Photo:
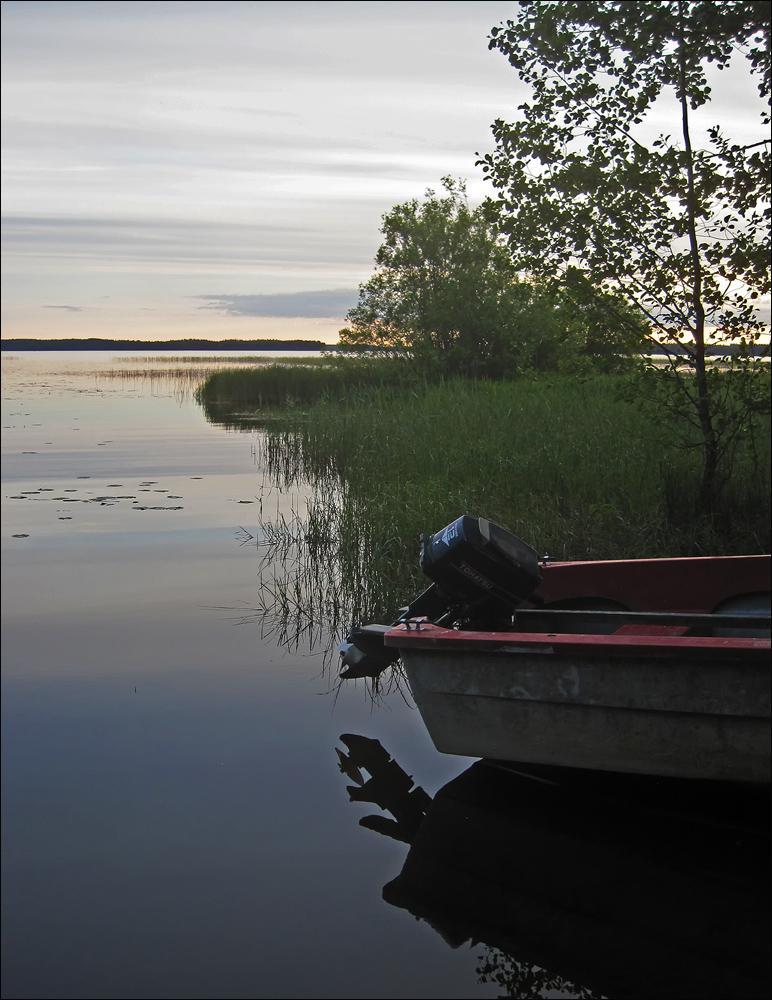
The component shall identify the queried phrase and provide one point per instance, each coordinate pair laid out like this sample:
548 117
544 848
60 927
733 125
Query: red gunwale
687 584
428 636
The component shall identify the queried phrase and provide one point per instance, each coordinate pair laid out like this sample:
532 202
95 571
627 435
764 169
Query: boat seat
644 629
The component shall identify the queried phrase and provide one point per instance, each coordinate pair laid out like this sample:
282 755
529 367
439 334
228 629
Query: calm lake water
175 820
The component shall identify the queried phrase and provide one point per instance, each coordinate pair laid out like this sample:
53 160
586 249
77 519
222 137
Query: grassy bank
297 383
571 466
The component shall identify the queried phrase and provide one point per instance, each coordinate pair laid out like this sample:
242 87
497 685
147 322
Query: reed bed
240 359
569 465
296 383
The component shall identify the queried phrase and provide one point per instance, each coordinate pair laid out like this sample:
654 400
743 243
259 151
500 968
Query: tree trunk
709 483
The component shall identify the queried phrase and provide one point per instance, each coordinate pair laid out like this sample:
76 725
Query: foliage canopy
446 291
588 193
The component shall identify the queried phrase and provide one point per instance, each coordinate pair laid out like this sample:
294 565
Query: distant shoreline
193 344
97 344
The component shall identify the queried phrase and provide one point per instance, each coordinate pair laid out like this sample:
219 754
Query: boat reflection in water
631 887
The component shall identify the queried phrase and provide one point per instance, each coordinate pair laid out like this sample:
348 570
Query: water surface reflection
631 888
170 826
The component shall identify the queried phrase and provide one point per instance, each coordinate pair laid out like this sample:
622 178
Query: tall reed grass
296 383
569 465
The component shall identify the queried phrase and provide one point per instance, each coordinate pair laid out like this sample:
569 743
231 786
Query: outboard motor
480 567
481 573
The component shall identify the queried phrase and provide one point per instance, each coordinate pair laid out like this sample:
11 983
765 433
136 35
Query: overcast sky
168 165
220 169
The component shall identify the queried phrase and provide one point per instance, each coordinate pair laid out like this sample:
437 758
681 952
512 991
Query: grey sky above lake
220 169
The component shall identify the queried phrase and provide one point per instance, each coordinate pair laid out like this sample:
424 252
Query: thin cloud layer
331 303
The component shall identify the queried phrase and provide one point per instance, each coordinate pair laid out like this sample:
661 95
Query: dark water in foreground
175 821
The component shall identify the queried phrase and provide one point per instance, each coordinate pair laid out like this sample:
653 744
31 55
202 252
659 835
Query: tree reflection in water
521 979
630 887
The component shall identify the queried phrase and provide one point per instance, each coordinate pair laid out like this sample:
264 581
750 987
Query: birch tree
590 193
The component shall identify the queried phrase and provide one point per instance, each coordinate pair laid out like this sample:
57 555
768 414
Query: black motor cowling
477 563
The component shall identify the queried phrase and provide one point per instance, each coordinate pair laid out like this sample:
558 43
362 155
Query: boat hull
657 715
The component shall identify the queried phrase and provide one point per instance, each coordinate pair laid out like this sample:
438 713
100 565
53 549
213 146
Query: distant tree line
668 349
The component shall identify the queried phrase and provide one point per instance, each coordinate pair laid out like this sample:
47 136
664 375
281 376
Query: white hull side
698 719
